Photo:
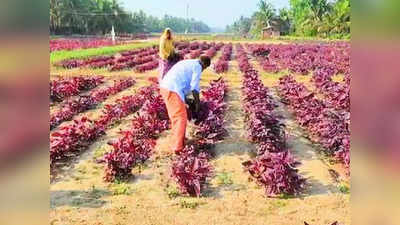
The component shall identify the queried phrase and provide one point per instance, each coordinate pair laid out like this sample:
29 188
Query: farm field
265 112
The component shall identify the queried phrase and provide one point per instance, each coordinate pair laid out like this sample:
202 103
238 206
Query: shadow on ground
85 199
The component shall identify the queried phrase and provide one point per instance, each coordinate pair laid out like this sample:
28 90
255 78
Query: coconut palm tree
265 13
262 17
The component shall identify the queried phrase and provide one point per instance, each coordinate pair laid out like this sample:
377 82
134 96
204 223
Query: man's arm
195 86
196 97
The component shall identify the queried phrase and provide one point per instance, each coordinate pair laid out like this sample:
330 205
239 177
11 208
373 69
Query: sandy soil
79 195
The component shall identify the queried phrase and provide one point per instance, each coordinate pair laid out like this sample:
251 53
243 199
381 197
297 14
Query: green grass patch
120 189
190 204
277 204
285 196
224 178
344 188
84 53
311 38
100 152
82 169
172 192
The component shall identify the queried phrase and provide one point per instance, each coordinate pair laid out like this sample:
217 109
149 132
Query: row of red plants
80 43
337 94
72 107
182 45
137 144
139 62
148 66
192 50
274 166
65 87
194 54
211 52
327 126
132 58
131 63
195 49
142 60
191 167
302 58
81 133
222 65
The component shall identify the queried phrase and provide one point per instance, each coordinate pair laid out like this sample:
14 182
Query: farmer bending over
180 81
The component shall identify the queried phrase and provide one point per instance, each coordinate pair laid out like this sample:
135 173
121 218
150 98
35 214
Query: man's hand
196 100
197 107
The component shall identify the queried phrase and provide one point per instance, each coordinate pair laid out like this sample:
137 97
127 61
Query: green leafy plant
344 188
224 178
120 188
189 204
172 192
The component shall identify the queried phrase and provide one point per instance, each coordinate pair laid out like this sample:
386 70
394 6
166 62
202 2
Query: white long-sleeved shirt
183 78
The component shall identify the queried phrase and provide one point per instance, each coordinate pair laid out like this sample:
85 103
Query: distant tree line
314 18
98 16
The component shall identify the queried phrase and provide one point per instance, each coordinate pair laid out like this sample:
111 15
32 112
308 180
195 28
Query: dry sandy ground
79 195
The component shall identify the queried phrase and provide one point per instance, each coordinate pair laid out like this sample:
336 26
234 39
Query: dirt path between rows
317 172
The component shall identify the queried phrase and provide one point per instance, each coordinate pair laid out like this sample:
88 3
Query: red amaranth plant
73 107
195 54
191 170
80 43
273 168
132 62
211 52
127 152
136 144
222 65
72 138
327 126
302 58
337 94
128 59
276 172
148 66
79 135
62 88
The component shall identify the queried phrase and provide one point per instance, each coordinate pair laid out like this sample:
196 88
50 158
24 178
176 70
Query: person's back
183 77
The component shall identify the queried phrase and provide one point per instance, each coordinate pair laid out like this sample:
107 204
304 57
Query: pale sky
215 13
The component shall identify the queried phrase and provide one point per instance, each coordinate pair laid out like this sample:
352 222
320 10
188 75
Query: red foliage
128 59
79 135
62 88
148 66
222 65
82 43
329 127
137 144
302 58
72 107
273 168
191 168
